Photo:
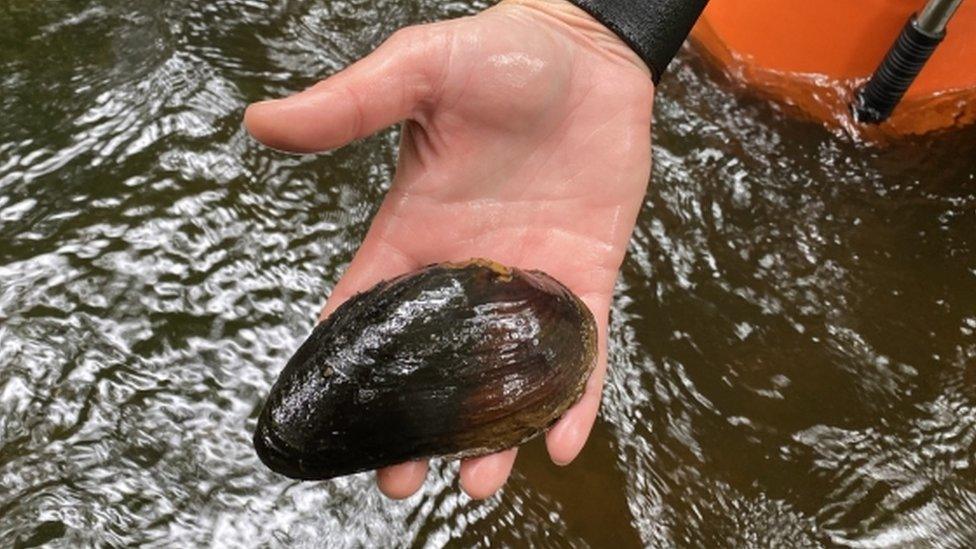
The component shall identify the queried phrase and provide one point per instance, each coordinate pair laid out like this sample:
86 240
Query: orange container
812 56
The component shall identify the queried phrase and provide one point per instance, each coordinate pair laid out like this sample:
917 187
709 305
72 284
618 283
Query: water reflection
793 357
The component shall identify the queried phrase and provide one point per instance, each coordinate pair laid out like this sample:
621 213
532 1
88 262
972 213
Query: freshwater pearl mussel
456 359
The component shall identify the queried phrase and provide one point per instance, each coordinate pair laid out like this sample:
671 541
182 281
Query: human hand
526 141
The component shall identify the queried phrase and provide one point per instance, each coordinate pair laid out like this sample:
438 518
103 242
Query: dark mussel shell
457 359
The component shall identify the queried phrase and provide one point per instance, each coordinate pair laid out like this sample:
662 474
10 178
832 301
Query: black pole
918 40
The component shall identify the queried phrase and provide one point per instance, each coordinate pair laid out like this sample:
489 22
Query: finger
482 476
402 481
378 91
566 439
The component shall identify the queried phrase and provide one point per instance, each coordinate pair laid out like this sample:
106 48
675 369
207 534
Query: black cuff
655 29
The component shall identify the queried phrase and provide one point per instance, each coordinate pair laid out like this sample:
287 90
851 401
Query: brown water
793 358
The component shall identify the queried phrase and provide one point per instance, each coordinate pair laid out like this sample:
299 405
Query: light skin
526 140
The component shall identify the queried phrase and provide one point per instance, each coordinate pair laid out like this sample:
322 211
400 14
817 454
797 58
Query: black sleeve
655 29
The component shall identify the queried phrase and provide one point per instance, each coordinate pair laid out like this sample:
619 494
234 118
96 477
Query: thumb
380 90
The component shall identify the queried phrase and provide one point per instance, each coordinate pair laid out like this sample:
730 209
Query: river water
792 354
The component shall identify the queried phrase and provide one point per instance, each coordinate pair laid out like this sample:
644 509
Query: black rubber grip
655 29
904 61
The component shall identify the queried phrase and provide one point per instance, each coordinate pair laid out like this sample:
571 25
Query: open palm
526 141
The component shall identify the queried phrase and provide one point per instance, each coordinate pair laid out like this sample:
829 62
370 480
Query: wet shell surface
456 359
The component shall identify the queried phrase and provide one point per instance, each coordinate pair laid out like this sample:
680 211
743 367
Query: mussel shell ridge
455 359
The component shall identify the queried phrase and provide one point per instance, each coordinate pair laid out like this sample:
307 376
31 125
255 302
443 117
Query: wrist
588 30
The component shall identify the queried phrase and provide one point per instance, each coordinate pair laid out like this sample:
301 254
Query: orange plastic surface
813 54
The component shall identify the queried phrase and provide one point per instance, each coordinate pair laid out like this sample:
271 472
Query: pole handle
906 58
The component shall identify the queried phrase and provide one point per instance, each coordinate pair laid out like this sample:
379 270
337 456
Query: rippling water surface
793 358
